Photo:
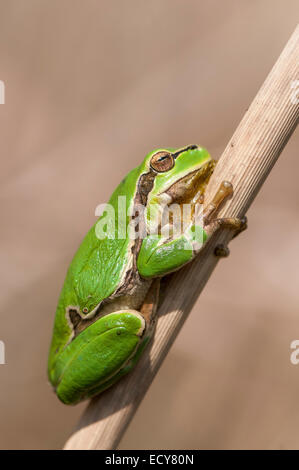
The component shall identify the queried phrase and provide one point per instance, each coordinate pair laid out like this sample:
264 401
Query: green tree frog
106 310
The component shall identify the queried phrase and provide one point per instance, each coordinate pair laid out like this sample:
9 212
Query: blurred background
91 87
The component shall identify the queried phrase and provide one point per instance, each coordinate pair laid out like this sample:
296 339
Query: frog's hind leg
150 304
105 350
148 314
98 356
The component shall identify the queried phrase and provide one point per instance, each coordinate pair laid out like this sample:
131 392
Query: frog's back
98 266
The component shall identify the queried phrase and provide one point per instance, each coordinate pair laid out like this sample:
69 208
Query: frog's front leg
159 256
212 224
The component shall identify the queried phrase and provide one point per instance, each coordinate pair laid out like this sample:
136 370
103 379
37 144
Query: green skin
99 331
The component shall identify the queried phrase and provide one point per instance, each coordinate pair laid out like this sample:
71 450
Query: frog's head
179 174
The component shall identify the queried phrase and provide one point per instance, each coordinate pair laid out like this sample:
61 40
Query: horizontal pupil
163 158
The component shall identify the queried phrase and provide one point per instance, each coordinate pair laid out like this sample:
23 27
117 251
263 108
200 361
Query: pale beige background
91 86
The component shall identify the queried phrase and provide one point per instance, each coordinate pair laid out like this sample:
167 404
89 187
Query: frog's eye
162 161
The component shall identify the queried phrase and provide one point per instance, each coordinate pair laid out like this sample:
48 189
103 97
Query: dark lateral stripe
189 147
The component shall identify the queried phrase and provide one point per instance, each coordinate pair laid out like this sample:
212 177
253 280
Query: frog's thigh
97 354
157 259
